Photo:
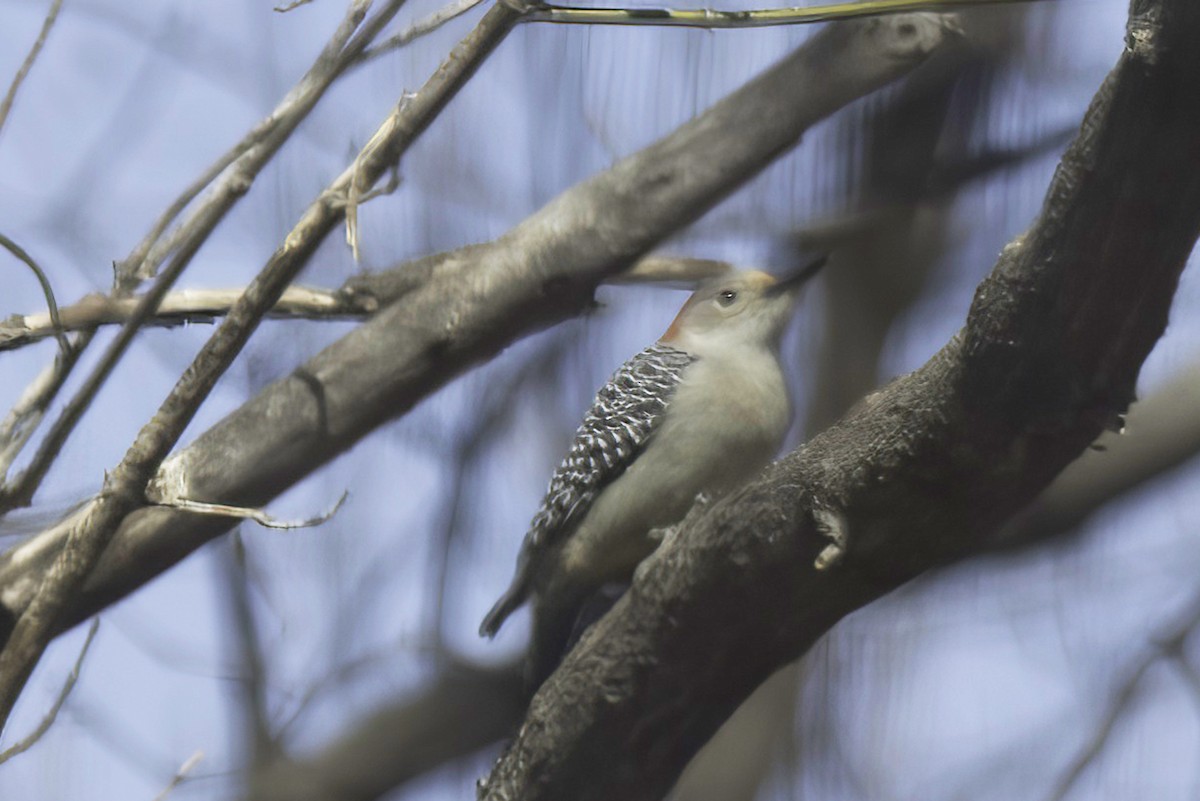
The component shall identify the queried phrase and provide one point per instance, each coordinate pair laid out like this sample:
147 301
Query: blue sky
983 679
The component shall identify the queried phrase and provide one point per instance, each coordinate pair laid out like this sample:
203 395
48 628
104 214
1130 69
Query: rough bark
920 473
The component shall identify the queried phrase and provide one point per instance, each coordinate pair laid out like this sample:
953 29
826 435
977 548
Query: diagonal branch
456 310
29 741
23 71
759 18
53 322
1161 433
466 708
1127 462
921 473
125 487
237 169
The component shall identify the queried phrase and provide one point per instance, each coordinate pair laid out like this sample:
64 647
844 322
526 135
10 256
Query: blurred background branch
988 680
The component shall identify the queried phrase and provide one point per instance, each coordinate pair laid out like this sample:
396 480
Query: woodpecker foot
832 525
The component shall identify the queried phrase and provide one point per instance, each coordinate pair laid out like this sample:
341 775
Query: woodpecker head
742 308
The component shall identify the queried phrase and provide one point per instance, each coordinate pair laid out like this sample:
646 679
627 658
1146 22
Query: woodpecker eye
727 297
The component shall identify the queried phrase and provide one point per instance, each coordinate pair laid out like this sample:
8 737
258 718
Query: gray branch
920 473
466 709
459 309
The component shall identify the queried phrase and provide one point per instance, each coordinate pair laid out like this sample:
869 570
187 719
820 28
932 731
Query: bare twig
352 301
256 148
468 305
27 64
251 704
54 323
421 27
22 420
496 407
245 513
181 775
1048 356
245 160
1161 433
48 721
714 18
125 486
182 306
1166 645
402 741
355 193
286 7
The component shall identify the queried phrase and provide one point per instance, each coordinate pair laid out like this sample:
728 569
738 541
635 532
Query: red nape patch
672 332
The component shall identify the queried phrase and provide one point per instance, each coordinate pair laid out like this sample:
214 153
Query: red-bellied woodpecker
698 412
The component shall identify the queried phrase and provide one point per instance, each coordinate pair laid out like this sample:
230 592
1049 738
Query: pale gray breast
733 412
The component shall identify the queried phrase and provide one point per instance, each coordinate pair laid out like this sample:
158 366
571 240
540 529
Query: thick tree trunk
920 473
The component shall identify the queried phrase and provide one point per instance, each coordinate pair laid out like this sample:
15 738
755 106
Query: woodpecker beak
799 277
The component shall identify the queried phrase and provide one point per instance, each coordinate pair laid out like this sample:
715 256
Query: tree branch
1161 433
53 323
23 71
920 473
360 297
1165 645
177 308
125 487
468 306
760 18
25 743
237 169
465 709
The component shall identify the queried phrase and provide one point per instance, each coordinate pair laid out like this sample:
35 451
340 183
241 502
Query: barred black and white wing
616 429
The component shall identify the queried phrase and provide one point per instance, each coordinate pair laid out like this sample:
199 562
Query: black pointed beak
798 278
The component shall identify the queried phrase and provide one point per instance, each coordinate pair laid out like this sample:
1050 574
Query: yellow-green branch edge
711 18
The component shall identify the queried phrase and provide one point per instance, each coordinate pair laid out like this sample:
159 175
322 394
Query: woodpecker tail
513 597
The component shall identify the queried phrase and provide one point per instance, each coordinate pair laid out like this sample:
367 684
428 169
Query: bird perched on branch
700 411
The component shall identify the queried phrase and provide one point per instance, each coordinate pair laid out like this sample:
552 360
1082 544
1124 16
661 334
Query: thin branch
359 298
1160 433
714 18
1113 715
239 166
23 419
124 488
1165 645
921 473
355 193
54 323
421 27
497 405
286 7
464 709
51 716
26 65
468 305
259 516
251 704
256 150
181 775
182 306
